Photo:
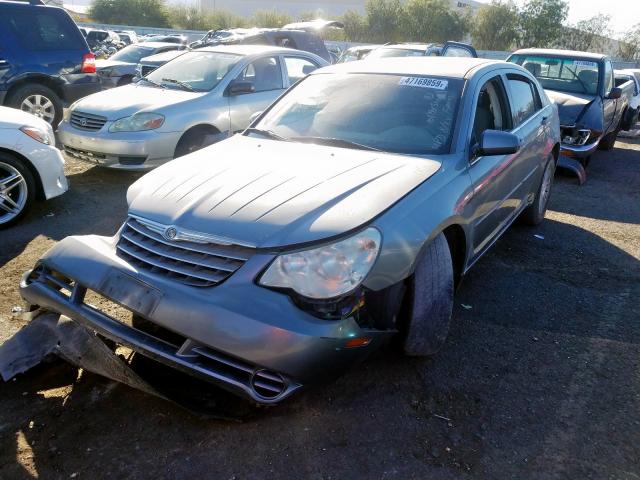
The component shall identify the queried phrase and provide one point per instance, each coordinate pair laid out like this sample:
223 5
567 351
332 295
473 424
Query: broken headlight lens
575 136
328 271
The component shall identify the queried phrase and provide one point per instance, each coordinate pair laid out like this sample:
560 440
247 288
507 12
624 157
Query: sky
624 13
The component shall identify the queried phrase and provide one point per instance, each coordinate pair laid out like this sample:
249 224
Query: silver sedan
192 101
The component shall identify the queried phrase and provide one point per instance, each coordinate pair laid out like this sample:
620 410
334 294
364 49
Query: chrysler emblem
170 233
83 122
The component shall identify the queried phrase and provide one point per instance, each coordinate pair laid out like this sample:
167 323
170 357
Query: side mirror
254 117
615 93
240 87
496 142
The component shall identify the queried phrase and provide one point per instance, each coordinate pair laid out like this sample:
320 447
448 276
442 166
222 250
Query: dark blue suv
45 62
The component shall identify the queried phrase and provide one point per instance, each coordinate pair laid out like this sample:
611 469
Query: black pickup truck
592 108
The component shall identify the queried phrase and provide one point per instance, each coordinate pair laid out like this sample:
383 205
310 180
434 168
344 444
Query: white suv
31 167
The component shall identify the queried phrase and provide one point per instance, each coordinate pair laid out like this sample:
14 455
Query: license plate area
135 295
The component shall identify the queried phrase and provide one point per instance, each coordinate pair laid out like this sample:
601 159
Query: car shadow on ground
524 386
94 204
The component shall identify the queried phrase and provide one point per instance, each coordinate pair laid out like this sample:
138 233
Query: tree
384 19
588 35
495 26
541 22
144 13
355 26
270 19
629 47
433 21
192 18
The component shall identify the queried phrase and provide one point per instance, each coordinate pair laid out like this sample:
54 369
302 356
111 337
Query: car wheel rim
545 188
13 192
40 106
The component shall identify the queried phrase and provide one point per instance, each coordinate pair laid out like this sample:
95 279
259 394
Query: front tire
534 213
38 100
431 300
17 190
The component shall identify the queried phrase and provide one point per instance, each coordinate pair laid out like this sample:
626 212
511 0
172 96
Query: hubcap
40 106
545 188
13 192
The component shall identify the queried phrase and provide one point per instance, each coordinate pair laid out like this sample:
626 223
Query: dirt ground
540 376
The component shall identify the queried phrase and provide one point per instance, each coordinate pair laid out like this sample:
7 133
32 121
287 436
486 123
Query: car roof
408 46
560 53
154 44
249 49
452 67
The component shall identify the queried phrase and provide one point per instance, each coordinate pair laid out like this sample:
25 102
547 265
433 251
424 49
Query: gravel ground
540 376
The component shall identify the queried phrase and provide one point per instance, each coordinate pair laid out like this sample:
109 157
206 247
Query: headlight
575 136
39 134
328 271
138 122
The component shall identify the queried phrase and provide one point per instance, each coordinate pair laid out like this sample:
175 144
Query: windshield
396 52
562 74
132 54
195 71
393 113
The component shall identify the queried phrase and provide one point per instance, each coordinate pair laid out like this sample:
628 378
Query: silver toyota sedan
343 217
192 101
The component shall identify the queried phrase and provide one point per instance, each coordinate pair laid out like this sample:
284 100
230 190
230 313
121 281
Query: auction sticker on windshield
584 63
423 82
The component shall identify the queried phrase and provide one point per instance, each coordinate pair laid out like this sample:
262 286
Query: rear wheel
17 190
38 100
431 300
534 213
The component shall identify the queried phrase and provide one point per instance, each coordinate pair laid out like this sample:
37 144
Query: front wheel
38 100
431 300
534 213
17 190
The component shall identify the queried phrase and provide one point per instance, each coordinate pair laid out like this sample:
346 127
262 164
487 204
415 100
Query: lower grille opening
268 384
131 160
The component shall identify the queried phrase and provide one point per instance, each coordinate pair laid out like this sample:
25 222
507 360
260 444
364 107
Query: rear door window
298 68
49 29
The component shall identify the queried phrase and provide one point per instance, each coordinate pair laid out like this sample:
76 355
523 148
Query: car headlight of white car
138 123
328 271
39 134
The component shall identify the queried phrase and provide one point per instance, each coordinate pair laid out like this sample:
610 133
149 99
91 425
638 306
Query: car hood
268 193
124 101
14 118
571 106
102 64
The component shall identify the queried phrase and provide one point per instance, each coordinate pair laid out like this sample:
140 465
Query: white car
634 101
31 167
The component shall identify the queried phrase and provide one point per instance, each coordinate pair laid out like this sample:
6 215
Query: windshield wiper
152 82
582 84
266 133
334 142
186 86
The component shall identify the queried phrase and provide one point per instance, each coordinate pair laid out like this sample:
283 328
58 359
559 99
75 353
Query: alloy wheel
40 106
13 192
545 188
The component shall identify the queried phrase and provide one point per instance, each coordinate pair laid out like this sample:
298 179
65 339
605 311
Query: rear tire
17 190
534 213
431 300
38 100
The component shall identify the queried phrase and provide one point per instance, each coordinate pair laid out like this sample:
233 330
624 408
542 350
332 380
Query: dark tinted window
523 100
47 29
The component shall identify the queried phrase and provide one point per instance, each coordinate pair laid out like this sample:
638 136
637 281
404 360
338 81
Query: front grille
87 121
191 263
86 155
146 69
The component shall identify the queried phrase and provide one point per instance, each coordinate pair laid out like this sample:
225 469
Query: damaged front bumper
249 340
